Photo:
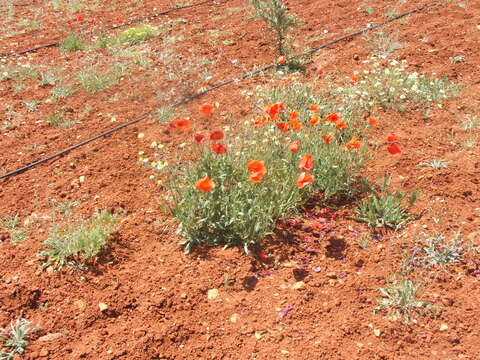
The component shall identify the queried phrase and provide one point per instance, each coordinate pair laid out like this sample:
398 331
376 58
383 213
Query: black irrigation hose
149 17
219 85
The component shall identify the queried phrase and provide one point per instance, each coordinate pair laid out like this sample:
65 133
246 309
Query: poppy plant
274 109
373 121
354 143
218 148
258 176
216 135
293 147
392 137
353 80
205 184
294 115
198 138
92 21
393 149
313 107
295 124
255 165
327 138
341 125
181 123
80 18
333 117
306 163
282 126
282 60
304 179
207 109
314 119
259 121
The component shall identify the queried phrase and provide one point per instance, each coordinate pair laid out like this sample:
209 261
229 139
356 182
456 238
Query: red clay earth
313 297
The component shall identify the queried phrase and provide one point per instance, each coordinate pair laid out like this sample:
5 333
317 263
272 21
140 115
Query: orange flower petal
205 184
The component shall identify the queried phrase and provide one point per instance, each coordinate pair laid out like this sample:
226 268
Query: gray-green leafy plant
400 299
384 208
15 338
75 244
72 43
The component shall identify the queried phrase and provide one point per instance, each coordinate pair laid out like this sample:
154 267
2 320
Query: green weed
72 43
15 339
138 34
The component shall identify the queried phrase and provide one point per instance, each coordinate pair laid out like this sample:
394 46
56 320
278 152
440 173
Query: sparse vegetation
72 43
15 339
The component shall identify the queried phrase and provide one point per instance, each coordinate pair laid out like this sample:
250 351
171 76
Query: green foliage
400 298
93 81
72 43
138 34
11 224
435 163
61 91
73 245
275 14
435 251
385 208
15 339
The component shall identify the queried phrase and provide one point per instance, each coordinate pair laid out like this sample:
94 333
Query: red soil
156 295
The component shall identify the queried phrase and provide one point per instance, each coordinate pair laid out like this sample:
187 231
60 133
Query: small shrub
93 81
383 43
15 338
61 91
12 225
73 245
436 251
386 208
435 163
72 43
400 298
138 34
275 14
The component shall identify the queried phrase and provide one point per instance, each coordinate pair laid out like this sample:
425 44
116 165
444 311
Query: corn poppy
198 138
69 22
92 21
205 184
293 147
295 124
319 70
120 21
207 109
327 138
304 179
218 148
373 121
282 126
282 60
353 80
341 125
259 121
394 149
180 123
80 18
306 163
294 115
273 110
392 137
258 176
216 135
333 117
313 107
314 119
354 143
255 165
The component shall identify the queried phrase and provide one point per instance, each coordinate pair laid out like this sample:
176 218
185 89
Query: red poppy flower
373 121
313 107
255 165
262 256
354 143
218 148
80 18
216 135
319 70
304 179
327 138
341 125
199 138
92 21
207 109
293 147
392 137
259 121
120 21
282 60
205 184
295 124
333 117
181 123
274 109
306 163
282 126
394 149
314 119
258 176
353 80
294 115
69 22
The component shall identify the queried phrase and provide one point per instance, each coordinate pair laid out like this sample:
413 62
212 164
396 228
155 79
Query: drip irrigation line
214 87
134 21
